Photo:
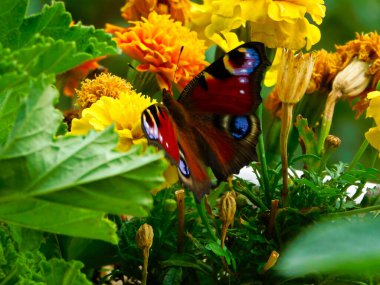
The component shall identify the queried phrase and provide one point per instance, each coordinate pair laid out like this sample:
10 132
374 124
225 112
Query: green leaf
65 185
26 265
173 276
338 246
45 42
223 252
187 260
307 135
56 218
11 18
57 271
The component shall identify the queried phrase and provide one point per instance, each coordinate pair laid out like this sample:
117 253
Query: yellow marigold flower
179 10
275 23
105 84
124 111
373 111
156 43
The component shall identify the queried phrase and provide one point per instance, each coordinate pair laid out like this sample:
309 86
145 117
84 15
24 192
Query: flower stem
145 266
327 116
201 208
358 154
263 161
180 197
286 124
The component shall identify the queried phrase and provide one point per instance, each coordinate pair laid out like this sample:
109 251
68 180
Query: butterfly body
212 124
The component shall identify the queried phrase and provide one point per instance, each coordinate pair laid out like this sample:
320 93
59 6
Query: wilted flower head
156 43
326 67
124 111
179 10
105 84
373 111
227 208
353 79
293 76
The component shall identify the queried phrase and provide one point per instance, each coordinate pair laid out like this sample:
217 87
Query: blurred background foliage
343 19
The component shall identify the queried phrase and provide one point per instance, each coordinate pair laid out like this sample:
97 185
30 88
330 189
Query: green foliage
342 246
60 184
21 263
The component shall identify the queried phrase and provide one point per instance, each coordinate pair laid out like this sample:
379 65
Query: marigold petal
80 127
227 41
271 74
285 11
373 137
373 110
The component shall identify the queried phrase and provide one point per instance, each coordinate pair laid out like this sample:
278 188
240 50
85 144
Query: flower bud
293 76
353 79
332 142
272 260
227 208
144 237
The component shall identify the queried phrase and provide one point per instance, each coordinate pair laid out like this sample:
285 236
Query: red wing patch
159 129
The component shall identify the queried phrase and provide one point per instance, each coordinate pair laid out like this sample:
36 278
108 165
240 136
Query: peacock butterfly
213 122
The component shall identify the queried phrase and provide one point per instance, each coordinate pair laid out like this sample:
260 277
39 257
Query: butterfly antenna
179 56
131 66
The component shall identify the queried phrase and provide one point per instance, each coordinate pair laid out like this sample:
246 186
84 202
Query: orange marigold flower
105 84
179 10
325 69
156 43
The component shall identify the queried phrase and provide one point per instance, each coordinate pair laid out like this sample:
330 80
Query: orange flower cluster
366 47
105 84
179 10
156 43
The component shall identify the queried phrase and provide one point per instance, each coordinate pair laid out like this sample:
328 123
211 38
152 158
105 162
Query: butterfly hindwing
213 122
161 130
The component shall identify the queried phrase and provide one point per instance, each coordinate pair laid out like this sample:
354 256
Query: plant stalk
180 197
224 233
327 116
145 266
272 218
201 208
358 154
286 124
263 161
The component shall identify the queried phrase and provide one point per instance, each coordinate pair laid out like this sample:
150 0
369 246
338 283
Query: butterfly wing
222 101
213 122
